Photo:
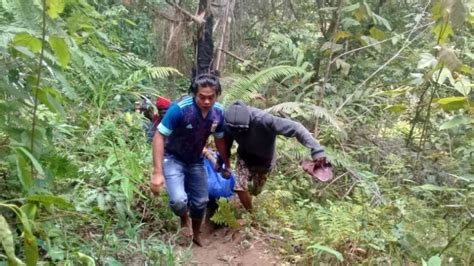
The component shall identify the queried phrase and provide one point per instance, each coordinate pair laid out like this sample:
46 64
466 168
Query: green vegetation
385 85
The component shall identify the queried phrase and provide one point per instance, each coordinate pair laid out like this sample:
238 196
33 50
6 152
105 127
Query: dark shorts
249 179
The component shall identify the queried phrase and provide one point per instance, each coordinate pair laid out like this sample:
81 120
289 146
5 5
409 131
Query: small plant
225 214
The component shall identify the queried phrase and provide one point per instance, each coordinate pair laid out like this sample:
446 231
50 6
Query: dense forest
386 86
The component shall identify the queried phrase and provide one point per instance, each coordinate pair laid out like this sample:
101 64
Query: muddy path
245 246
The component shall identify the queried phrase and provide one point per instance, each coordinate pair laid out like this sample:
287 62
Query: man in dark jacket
255 131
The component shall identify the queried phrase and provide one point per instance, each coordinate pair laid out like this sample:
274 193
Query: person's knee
179 205
198 206
199 202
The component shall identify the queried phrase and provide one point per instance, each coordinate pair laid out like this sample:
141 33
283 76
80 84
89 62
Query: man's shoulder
218 109
259 115
218 106
184 102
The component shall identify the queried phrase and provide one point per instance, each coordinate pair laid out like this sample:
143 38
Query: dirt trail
228 247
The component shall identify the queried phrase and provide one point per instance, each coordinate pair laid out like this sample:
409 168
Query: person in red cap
162 105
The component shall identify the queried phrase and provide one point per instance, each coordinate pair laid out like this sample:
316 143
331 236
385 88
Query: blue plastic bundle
218 186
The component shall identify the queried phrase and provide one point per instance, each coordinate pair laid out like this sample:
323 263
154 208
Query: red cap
162 102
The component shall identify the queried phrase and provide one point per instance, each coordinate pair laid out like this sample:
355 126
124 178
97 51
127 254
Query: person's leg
258 181
173 171
196 186
212 207
246 199
242 175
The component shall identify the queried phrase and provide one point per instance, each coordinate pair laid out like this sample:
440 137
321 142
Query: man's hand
321 161
156 183
225 173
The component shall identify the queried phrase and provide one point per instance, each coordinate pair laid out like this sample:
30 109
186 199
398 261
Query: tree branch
333 28
199 19
238 58
224 28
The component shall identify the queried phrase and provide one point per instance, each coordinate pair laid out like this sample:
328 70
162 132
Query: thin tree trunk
225 36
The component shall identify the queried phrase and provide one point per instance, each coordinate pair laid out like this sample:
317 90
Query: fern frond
225 214
26 13
245 88
151 73
134 62
312 110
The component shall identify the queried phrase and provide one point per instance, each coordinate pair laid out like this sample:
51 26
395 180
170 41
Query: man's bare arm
157 179
222 149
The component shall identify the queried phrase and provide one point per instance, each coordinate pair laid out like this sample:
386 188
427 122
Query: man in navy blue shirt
177 151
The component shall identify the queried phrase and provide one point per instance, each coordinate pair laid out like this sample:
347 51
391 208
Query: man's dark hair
206 80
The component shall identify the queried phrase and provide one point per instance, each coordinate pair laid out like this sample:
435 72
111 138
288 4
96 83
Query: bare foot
186 228
199 241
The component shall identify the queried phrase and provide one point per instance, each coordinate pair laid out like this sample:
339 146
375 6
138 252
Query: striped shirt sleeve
171 119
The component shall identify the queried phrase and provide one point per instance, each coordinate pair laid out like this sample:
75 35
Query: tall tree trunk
203 43
224 32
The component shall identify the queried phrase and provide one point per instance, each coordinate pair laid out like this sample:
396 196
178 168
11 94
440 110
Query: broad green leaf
377 34
437 11
27 40
465 69
360 13
25 51
442 32
50 97
33 160
463 85
416 79
6 238
30 210
60 48
426 60
331 46
335 253
50 199
350 8
349 22
24 172
441 76
434 261
366 40
396 108
87 260
54 8
382 21
452 103
457 121
340 35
